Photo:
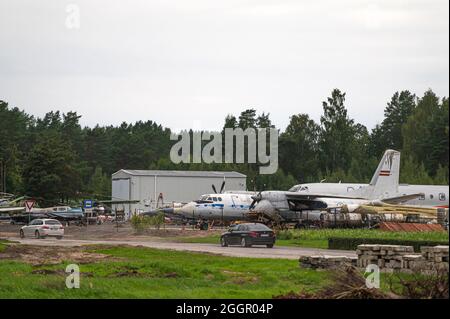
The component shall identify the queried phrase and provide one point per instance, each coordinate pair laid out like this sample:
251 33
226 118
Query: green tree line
56 159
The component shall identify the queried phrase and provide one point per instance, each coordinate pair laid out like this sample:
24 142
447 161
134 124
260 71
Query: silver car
41 228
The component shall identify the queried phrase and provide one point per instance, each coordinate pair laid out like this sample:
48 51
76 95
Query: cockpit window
209 198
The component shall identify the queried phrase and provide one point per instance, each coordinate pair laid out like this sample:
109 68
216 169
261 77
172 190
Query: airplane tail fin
384 183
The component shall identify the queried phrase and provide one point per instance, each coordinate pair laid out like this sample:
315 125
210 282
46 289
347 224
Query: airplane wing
11 209
169 212
115 202
401 199
66 216
311 196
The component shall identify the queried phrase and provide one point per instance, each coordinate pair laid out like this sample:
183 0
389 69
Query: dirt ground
112 232
39 256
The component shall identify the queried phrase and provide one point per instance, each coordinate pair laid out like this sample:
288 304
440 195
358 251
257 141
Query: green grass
162 274
3 244
318 238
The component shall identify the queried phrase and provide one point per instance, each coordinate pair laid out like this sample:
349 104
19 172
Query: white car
41 228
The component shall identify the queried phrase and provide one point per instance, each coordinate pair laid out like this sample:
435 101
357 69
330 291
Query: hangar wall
175 186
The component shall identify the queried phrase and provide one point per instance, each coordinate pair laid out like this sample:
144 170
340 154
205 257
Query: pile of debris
431 259
326 262
384 256
402 258
389 258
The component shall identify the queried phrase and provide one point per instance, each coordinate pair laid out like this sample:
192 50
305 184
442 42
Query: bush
139 223
142 223
342 243
434 286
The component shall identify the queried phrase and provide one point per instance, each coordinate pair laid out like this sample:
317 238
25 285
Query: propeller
221 188
256 198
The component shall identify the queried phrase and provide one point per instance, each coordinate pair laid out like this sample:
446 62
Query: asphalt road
253 252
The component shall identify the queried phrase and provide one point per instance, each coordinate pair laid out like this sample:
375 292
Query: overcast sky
189 63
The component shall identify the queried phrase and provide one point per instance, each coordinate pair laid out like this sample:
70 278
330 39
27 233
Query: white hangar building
148 186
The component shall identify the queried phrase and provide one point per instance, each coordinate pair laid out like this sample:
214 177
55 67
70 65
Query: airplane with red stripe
387 176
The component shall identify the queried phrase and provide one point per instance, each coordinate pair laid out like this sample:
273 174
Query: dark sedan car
247 235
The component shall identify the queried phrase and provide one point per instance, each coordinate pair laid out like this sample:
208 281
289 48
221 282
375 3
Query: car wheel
223 242
269 246
22 235
37 235
59 237
244 243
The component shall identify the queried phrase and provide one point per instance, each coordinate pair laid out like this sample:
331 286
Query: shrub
434 286
139 223
142 223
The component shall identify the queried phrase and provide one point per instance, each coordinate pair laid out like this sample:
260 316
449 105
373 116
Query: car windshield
258 227
52 222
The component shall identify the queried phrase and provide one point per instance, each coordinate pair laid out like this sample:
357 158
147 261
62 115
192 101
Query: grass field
318 238
148 273
2 245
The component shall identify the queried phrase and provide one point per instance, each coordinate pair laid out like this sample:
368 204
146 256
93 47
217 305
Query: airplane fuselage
224 207
434 195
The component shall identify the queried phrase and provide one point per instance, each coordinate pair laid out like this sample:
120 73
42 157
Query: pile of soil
38 256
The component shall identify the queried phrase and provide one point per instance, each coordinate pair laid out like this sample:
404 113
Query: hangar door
121 189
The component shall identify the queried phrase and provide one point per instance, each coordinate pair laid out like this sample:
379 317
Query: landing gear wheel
22 235
223 242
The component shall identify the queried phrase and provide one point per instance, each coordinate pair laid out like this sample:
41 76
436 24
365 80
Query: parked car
41 228
248 234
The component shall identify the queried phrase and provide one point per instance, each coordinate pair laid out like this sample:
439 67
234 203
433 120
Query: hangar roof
181 173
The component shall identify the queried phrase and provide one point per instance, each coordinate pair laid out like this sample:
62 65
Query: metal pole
335 213
156 199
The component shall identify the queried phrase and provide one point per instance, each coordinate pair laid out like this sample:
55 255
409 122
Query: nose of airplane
188 209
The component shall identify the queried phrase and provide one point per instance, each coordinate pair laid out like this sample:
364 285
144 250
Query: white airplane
225 207
432 196
382 190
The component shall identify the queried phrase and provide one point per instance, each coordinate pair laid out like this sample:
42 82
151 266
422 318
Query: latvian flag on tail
385 173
